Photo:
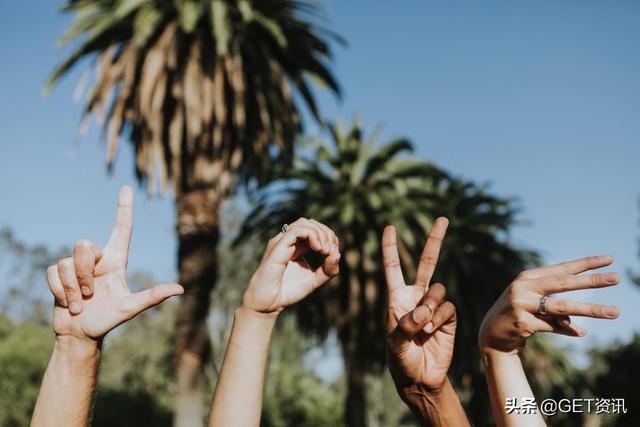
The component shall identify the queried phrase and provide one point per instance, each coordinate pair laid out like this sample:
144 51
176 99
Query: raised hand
516 314
421 326
282 279
283 276
90 288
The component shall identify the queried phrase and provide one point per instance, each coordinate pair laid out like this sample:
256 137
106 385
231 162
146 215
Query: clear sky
541 99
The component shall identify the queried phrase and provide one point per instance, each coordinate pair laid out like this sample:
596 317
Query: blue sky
541 99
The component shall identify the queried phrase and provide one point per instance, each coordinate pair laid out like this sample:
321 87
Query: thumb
141 301
408 327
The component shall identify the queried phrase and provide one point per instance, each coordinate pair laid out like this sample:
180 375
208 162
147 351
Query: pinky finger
55 285
558 325
445 314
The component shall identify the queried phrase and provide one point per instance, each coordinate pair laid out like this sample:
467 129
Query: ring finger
565 307
55 285
70 284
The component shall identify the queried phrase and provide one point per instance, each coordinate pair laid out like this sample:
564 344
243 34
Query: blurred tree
615 372
24 351
22 269
204 91
357 188
553 376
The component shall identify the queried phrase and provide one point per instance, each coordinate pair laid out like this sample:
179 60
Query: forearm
238 397
506 379
68 384
437 408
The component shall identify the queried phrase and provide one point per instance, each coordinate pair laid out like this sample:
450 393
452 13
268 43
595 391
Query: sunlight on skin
91 298
516 316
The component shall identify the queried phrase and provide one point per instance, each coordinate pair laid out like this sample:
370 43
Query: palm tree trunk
353 277
356 408
198 233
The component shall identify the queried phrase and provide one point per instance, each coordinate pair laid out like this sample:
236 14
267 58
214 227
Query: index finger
570 267
391 259
431 251
121 234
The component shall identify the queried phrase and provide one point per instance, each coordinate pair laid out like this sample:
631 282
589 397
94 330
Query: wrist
417 391
435 406
252 329
77 347
73 359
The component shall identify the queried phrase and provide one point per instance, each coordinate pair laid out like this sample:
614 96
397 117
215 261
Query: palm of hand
426 358
281 285
103 310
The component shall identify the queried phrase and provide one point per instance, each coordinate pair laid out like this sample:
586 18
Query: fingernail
612 278
429 327
85 290
327 247
564 322
607 257
612 312
581 331
74 308
420 314
334 248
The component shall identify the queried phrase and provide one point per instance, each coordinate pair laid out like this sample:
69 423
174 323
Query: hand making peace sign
421 325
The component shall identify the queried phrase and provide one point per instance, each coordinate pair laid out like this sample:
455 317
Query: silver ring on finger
285 227
542 304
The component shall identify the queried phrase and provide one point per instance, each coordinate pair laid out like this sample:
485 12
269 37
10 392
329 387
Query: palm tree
208 93
358 187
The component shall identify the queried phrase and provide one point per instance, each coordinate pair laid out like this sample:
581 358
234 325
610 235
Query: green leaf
145 24
221 26
189 14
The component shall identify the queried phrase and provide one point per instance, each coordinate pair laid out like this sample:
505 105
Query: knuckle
430 302
83 245
517 284
438 288
597 311
428 259
561 307
449 306
83 277
65 264
518 324
591 260
563 282
392 263
51 270
523 275
513 296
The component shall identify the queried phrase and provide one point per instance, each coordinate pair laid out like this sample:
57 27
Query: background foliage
136 383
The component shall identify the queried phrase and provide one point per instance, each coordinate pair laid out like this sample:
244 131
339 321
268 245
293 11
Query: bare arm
91 298
520 312
435 407
282 279
72 373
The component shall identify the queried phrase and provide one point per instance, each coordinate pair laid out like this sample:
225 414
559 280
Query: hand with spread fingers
529 305
90 288
421 329
283 278
91 298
